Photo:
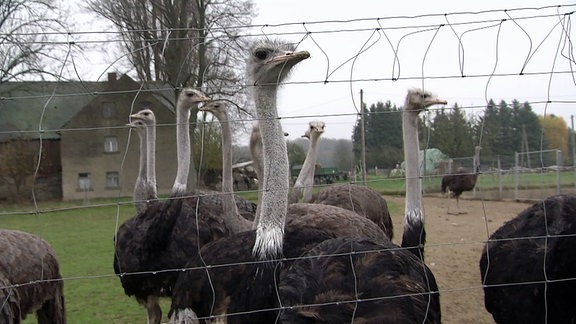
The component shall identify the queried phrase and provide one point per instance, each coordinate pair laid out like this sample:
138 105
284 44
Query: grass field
83 238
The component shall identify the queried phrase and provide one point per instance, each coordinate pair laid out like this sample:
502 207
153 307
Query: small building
87 149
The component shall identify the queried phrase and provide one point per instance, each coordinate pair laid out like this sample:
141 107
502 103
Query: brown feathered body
457 183
30 279
528 265
358 280
362 200
235 283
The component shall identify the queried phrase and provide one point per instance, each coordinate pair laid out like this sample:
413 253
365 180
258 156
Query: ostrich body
235 284
393 285
353 279
528 265
305 180
457 183
362 200
144 122
235 222
30 279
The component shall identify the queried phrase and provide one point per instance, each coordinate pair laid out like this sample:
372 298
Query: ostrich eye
261 54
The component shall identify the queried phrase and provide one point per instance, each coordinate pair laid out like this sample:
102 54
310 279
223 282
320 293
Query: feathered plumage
528 265
30 279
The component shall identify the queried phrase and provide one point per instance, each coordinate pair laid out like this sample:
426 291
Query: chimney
112 76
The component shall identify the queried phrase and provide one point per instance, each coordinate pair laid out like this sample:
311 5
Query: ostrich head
315 128
145 116
216 108
419 100
270 61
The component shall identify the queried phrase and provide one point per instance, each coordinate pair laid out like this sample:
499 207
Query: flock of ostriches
327 259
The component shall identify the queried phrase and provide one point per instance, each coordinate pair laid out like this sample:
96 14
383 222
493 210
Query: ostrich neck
306 176
140 189
412 161
182 149
151 161
234 220
274 203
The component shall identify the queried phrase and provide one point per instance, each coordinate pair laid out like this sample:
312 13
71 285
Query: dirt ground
453 248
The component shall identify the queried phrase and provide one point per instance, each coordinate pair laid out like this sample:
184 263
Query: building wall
83 144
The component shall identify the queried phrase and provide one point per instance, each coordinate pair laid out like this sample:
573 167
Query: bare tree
185 43
26 29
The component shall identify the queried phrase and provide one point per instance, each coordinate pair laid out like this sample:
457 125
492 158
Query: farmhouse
79 131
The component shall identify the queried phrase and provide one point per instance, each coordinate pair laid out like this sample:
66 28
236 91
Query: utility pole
362 137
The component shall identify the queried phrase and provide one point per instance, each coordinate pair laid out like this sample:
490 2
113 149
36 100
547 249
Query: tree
25 42
452 133
556 134
17 164
383 126
185 43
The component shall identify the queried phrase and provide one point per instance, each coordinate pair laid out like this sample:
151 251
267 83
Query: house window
111 144
108 109
84 182
112 180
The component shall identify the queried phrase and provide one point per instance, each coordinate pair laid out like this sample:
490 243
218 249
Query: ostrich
235 222
527 266
463 181
144 122
235 281
352 279
305 180
151 245
142 242
30 279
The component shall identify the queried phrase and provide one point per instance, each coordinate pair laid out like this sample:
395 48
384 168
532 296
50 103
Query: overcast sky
490 47
352 55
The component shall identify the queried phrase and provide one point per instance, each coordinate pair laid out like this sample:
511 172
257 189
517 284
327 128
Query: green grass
83 239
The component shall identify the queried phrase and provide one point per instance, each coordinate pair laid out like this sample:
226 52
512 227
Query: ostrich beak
293 57
435 101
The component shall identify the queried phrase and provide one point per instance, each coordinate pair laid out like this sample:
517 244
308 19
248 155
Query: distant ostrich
377 283
528 266
30 279
460 182
144 122
305 180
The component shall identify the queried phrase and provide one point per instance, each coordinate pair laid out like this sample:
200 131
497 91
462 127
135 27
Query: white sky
429 54
488 48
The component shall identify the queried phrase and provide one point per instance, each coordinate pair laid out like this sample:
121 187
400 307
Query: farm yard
83 239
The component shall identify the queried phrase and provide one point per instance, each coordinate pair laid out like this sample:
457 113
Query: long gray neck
235 222
258 161
151 161
140 187
412 161
305 179
274 203
182 149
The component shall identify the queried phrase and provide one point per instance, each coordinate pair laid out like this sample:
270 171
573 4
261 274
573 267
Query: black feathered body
362 200
152 246
457 183
535 246
234 283
358 280
30 279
